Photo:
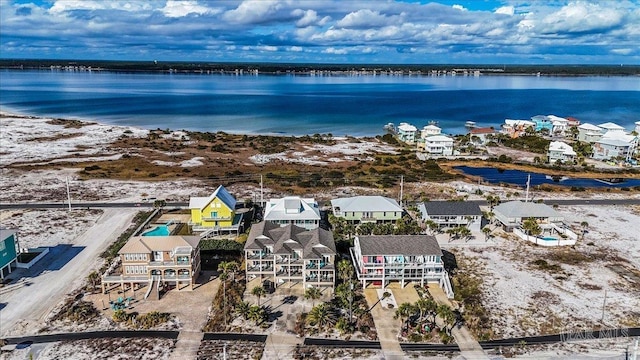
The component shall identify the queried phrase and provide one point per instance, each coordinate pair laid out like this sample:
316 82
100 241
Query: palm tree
242 308
585 226
228 267
345 270
464 232
93 278
531 227
321 316
487 232
312 293
258 291
429 224
447 316
404 311
426 306
257 314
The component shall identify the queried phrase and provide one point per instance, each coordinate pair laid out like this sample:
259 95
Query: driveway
27 306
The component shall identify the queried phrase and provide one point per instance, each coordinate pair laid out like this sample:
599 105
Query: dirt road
58 273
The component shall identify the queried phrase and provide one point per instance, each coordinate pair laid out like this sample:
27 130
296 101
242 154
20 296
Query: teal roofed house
542 122
8 250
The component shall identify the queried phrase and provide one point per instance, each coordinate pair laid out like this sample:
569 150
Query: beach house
481 135
589 133
303 212
158 261
517 216
615 145
542 122
516 128
9 250
361 209
562 152
436 145
290 255
451 214
381 259
215 213
637 128
430 130
407 133
560 124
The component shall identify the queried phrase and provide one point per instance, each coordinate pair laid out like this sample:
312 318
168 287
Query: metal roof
292 208
462 208
399 245
366 203
220 193
520 209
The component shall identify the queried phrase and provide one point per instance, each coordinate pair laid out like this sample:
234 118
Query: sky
325 31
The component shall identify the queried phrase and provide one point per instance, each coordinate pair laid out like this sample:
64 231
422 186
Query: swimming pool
549 238
161 230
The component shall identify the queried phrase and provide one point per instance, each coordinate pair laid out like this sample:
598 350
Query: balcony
167 264
217 218
259 269
321 279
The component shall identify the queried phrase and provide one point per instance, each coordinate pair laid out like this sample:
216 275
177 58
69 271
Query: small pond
518 177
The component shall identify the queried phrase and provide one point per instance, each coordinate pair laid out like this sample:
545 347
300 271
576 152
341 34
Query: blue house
542 122
8 250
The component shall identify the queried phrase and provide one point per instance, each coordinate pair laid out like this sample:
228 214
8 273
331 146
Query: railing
156 264
544 242
319 280
260 269
219 218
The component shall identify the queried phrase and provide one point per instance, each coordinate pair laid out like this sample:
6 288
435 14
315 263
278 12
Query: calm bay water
353 105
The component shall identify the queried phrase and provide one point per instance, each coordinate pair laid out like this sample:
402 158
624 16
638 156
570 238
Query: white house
560 124
380 259
615 144
407 133
589 133
559 151
450 214
293 210
437 145
481 135
637 128
611 127
512 215
430 130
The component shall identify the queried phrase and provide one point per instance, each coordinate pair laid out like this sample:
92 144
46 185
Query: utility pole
526 198
261 192
68 194
401 188
604 303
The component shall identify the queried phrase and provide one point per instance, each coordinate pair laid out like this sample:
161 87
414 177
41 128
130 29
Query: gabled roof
431 127
220 193
560 146
462 208
587 126
610 126
399 245
407 127
366 203
314 243
557 119
513 122
147 244
520 209
292 208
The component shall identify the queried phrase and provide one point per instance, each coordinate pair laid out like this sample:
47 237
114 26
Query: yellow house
215 213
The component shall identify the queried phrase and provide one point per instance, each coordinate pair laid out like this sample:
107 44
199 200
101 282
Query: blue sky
325 31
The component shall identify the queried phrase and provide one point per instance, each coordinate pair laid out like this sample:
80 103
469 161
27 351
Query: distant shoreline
176 67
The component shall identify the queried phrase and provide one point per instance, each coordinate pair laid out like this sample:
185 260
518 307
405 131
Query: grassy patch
542 264
467 286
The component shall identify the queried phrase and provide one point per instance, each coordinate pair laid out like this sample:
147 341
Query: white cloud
295 48
267 48
309 17
363 18
626 51
334 51
253 11
505 10
459 7
580 17
180 8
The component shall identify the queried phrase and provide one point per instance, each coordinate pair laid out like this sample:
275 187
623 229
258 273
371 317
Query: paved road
6 206
58 275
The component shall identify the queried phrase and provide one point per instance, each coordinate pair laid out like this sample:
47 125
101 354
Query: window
214 214
3 246
157 256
